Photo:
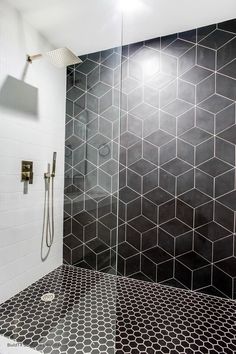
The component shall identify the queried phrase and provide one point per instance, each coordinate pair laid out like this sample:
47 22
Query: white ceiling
87 26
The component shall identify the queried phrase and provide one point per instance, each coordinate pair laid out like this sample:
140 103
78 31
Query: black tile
216 39
225 119
134 209
134 181
177 107
229 134
150 153
71 241
185 182
184 243
153 43
127 139
229 200
187 60
210 290
203 246
192 260
226 86
202 32
206 88
186 91
158 196
206 57
141 224
228 26
222 281
166 40
224 216
142 167
215 103
157 255
214 167
196 74
202 277
167 211
150 181
225 151
84 218
111 221
166 241
134 153
159 165
97 246
185 122
125 250
113 61
176 167
167 123
190 36
175 227
148 268
133 237
183 274
167 182
86 67
224 183
229 69
223 248
195 136
159 138
213 231
143 110
149 210
226 53
149 239
132 265
127 195
194 198
167 152
203 214
204 182
204 151
205 120
178 47
169 64
184 213
165 270
228 266
135 126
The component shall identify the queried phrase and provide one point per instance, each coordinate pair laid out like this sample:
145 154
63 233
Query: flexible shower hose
50 220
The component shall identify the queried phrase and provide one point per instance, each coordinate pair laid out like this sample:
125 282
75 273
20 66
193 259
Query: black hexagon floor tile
100 313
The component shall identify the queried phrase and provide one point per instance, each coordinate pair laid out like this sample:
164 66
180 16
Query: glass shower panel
92 157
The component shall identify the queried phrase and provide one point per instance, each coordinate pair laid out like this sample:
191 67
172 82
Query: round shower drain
48 297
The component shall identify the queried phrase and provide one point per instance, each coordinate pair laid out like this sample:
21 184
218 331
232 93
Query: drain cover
48 297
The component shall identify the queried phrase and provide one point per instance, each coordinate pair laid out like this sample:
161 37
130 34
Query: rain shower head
60 57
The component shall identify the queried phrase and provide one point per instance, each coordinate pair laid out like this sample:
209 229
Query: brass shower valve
27 171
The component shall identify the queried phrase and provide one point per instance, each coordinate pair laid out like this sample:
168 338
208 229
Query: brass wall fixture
27 171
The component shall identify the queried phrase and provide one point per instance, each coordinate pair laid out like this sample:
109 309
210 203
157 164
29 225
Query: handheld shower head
60 57
54 164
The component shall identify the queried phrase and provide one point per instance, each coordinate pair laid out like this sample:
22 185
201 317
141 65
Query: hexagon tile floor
99 313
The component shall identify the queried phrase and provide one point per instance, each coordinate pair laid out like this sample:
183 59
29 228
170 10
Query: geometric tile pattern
95 313
161 132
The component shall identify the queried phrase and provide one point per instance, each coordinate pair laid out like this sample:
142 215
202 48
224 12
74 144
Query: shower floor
99 313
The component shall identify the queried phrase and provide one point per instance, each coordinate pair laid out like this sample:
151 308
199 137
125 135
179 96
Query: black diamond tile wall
150 171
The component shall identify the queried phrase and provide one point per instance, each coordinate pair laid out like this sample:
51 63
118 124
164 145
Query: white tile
25 137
